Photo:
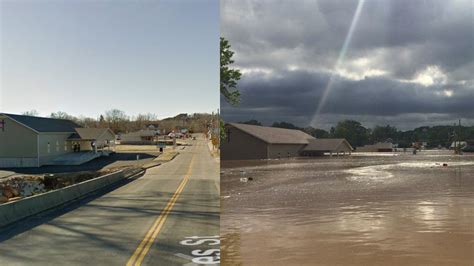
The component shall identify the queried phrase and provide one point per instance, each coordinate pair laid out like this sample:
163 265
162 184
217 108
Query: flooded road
364 209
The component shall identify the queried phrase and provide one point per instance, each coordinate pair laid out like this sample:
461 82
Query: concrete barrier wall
137 142
17 210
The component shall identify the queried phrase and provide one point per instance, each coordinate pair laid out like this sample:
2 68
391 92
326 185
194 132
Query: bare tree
31 113
142 120
117 120
62 115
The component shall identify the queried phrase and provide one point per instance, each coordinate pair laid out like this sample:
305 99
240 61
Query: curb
150 165
158 158
156 162
215 157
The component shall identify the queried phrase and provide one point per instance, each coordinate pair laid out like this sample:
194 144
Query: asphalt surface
150 221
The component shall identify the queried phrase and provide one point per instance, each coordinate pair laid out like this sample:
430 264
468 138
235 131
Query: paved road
166 217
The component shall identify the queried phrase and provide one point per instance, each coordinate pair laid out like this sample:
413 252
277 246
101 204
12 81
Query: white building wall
52 146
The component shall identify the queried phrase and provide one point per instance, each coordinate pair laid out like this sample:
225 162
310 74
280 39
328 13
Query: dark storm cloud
405 57
294 95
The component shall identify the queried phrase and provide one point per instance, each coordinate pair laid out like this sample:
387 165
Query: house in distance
141 137
28 141
250 142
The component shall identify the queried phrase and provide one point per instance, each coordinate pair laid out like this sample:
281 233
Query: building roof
328 145
41 124
379 145
273 135
142 133
88 133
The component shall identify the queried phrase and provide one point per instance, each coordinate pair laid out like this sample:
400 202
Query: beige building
377 147
141 137
250 142
27 141
317 147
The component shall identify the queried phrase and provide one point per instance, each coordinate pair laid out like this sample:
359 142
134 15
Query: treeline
120 122
358 135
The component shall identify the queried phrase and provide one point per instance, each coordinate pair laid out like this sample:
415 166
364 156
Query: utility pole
457 141
455 138
459 133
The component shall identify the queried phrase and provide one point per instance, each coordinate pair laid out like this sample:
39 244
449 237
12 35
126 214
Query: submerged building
317 147
377 147
249 142
28 141
469 146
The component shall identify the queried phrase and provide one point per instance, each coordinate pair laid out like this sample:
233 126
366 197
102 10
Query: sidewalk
163 158
214 152
4 174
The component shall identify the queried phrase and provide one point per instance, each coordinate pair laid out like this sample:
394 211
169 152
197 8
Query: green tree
284 125
229 76
352 131
222 130
252 122
316 132
382 133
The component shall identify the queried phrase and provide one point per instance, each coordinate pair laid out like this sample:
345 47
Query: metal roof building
249 142
146 136
321 146
377 147
28 141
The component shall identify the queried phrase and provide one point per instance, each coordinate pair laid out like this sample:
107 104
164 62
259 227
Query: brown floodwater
364 209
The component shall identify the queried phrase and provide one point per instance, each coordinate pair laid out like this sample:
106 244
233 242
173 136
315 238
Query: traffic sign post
161 146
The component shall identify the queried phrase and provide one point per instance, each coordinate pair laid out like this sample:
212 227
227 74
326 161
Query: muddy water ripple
359 210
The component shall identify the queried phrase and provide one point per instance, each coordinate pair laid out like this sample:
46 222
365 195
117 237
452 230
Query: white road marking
186 257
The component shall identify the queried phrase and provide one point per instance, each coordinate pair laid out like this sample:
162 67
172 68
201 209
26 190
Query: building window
65 146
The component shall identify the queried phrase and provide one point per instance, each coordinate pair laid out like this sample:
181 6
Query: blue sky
85 57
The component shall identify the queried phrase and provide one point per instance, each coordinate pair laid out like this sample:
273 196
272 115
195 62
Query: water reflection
314 212
230 248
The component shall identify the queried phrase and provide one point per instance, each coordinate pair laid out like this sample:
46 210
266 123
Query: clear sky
85 57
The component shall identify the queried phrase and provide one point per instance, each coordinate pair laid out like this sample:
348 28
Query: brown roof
88 133
378 145
141 133
275 135
328 145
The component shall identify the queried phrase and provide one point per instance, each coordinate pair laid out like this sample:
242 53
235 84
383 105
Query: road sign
161 145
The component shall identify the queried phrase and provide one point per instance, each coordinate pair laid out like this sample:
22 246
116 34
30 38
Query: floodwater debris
357 205
246 179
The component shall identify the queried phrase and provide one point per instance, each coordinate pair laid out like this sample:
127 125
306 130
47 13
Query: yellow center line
145 245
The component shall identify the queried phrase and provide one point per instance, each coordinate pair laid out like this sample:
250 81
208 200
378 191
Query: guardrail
14 211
